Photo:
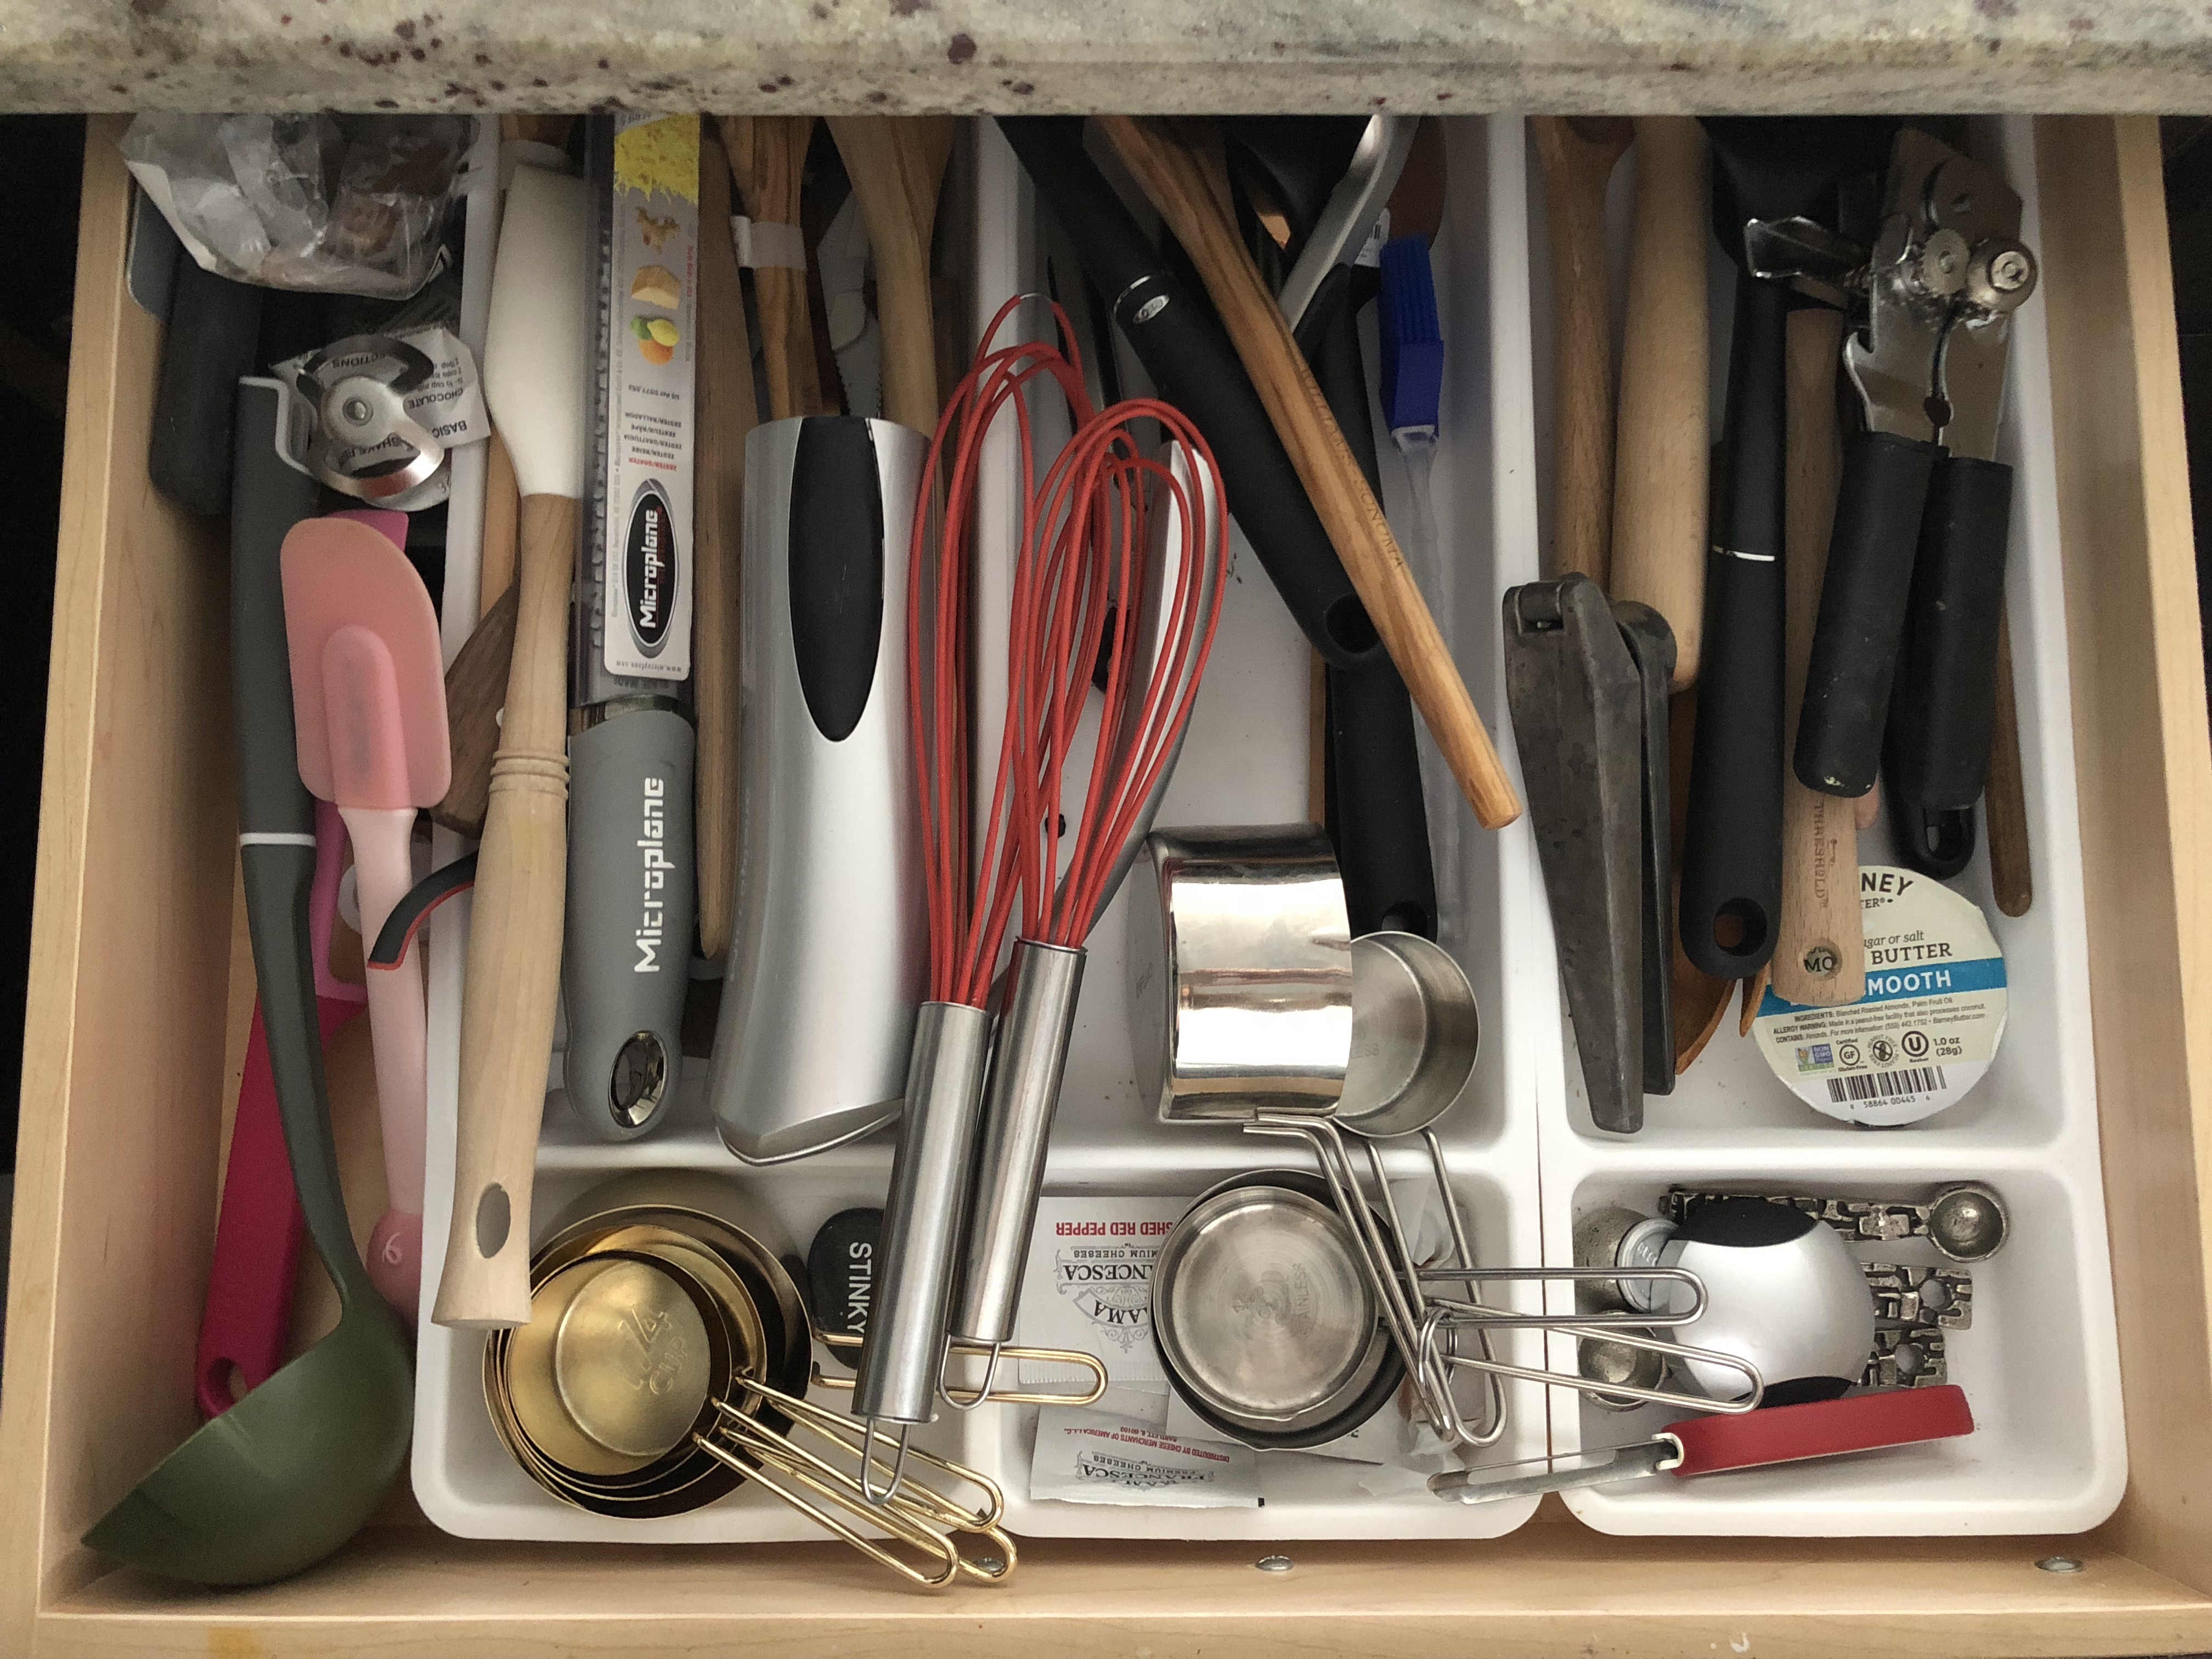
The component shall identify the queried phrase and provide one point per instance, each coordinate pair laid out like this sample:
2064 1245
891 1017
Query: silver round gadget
1262 1307
1415 1033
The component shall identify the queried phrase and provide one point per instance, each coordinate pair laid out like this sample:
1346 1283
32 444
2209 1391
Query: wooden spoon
1578 156
726 414
768 161
1659 495
1819 945
897 164
1174 176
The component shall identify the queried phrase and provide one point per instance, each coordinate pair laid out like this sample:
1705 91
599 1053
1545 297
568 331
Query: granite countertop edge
890 57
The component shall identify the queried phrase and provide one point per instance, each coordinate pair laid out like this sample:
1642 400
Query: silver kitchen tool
364 443
632 910
1967 1222
825 964
1415 1033
1037 1018
1240 996
1782 1292
1352 210
1244 999
1265 1319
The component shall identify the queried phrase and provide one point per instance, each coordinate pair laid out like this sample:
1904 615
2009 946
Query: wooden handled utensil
503 505
897 164
726 414
1659 494
1578 154
768 161
2004 793
1819 947
1700 998
534 355
1175 177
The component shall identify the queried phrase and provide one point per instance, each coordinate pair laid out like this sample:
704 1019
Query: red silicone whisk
1120 573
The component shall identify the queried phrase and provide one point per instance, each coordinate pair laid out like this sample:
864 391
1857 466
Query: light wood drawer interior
133 989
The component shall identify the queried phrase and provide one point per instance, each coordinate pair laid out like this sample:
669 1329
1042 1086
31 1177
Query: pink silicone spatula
368 694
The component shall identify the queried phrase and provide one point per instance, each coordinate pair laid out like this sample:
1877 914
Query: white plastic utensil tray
2040 1364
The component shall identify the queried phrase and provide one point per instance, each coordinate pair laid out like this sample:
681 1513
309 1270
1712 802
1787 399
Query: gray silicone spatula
291 1471
534 367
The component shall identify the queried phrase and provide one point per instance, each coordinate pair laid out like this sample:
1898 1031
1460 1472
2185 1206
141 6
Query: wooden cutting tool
768 161
1578 155
1819 947
1174 176
1659 471
897 164
726 414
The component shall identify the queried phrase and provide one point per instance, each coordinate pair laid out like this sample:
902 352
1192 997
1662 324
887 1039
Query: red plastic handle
257 1236
1785 1434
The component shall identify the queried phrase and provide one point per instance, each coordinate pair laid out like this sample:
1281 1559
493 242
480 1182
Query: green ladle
291 1471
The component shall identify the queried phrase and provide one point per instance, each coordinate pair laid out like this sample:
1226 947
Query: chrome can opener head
358 388
1944 277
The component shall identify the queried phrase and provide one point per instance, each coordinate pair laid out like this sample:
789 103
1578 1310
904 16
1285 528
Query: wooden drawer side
2145 765
123 1041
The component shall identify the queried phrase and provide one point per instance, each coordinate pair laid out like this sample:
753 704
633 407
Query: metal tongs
1907 637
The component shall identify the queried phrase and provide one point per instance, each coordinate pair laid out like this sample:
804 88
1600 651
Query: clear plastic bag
346 204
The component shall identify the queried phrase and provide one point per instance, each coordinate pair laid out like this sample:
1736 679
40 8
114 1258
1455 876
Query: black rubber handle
1948 675
1732 847
1936 841
1861 622
215 329
277 819
1196 368
269 498
1377 816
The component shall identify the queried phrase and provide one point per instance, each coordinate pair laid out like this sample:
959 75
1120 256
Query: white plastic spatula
368 696
534 375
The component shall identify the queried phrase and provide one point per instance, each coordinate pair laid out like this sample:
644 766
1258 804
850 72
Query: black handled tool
1196 368
1768 172
1915 587
214 327
1377 816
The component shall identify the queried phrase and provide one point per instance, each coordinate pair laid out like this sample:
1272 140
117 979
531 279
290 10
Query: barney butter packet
1089 1286
1928 1026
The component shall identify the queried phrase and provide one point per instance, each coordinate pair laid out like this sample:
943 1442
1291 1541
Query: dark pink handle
258 1235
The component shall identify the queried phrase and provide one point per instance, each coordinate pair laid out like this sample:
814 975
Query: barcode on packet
1886 1086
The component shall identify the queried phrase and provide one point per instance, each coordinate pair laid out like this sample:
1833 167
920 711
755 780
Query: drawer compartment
133 993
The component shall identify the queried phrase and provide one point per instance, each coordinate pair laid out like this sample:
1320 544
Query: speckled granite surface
830 56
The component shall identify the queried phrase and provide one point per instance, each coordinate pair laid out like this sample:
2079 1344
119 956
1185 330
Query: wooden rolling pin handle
515 949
